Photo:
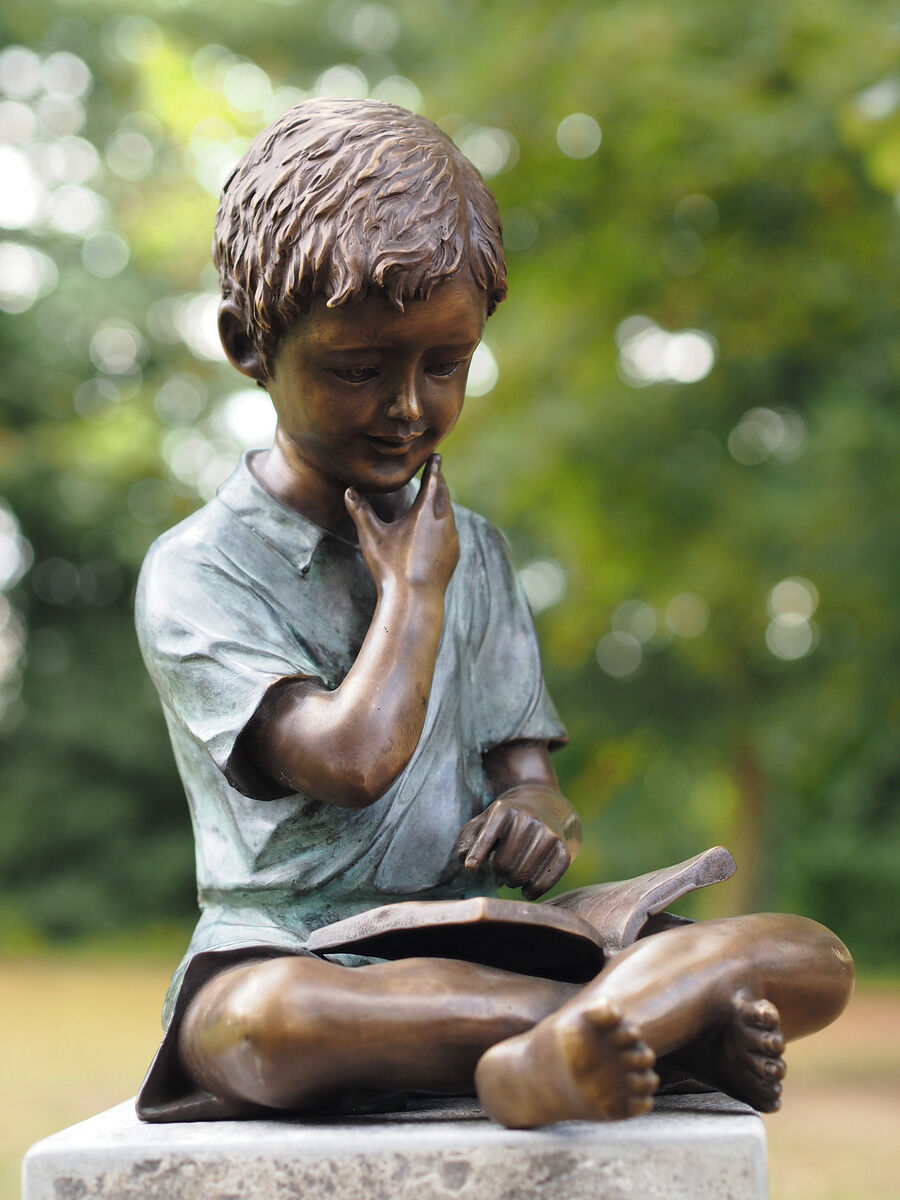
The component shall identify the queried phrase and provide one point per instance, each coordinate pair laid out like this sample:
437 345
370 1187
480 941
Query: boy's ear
237 344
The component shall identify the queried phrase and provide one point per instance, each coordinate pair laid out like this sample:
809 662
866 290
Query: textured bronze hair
342 199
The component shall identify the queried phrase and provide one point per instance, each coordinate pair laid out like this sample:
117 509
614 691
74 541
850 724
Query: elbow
348 794
355 785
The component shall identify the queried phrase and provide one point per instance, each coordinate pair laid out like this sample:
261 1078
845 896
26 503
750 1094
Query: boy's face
365 393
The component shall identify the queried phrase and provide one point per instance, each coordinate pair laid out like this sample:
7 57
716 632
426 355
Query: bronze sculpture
351 682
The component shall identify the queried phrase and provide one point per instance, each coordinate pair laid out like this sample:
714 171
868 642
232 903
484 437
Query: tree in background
682 416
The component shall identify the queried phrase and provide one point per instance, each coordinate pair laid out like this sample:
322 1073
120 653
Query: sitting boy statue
351 681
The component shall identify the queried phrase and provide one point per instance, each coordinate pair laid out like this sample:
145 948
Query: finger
523 848
468 834
363 515
486 839
431 477
549 873
441 495
539 855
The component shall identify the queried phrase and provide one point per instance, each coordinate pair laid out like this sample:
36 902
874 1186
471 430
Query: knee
244 1034
812 974
833 975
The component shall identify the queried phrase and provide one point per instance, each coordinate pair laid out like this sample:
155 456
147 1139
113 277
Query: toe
776 1068
764 1014
773 1043
642 1083
603 1014
766 1067
639 1058
769 1100
627 1034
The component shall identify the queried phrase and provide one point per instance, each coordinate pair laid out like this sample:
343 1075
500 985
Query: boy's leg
298 1033
711 992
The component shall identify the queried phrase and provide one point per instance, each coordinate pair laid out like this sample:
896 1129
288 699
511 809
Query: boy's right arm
347 746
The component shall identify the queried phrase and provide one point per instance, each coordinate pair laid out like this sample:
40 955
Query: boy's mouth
393 444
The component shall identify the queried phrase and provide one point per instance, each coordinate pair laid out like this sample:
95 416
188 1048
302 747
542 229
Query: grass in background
78 1032
77 1035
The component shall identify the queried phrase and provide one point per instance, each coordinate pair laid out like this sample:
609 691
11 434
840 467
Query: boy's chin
383 485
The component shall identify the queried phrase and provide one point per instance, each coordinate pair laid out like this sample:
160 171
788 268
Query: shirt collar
292 535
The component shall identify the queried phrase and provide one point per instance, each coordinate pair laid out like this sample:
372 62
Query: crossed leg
719 998
298 1033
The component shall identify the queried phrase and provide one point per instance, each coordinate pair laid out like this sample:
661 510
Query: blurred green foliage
727 173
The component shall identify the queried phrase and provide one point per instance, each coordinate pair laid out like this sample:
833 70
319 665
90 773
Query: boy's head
340 200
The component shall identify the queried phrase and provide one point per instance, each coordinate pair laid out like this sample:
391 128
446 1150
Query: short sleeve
213 645
508 696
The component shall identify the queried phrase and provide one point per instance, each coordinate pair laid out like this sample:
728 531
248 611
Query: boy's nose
405 404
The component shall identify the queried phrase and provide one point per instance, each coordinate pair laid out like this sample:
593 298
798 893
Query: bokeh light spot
879 100
490 150
16 554
75 210
698 211
117 348
634 617
619 654
26 274
129 153
342 82
790 637
181 399
687 615
544 583
247 87
65 74
764 433
22 195
483 372
794 597
105 254
372 27
249 418
20 72
649 354
60 115
578 135
18 123
135 38
195 317
397 89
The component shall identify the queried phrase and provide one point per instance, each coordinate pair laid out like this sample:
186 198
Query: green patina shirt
247 592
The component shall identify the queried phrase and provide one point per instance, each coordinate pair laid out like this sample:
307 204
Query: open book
569 937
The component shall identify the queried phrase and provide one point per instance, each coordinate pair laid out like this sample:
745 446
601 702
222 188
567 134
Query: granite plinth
691 1148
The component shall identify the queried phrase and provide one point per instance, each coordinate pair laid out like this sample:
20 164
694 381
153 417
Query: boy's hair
341 199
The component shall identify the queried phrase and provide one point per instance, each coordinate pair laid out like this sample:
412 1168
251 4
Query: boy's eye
442 370
355 374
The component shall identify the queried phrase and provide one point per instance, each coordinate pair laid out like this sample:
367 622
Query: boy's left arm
530 834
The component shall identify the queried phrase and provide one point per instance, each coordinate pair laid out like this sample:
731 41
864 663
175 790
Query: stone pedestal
691 1148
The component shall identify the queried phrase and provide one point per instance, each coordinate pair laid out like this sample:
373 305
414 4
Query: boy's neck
296 485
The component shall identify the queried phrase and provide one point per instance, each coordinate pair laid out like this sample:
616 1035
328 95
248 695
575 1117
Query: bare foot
743 1058
582 1063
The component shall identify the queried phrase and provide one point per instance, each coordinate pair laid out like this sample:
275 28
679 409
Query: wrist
398 592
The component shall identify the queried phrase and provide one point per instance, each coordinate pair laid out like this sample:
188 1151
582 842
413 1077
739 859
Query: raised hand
421 548
527 837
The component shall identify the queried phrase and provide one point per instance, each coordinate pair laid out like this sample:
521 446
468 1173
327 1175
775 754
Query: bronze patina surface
351 680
